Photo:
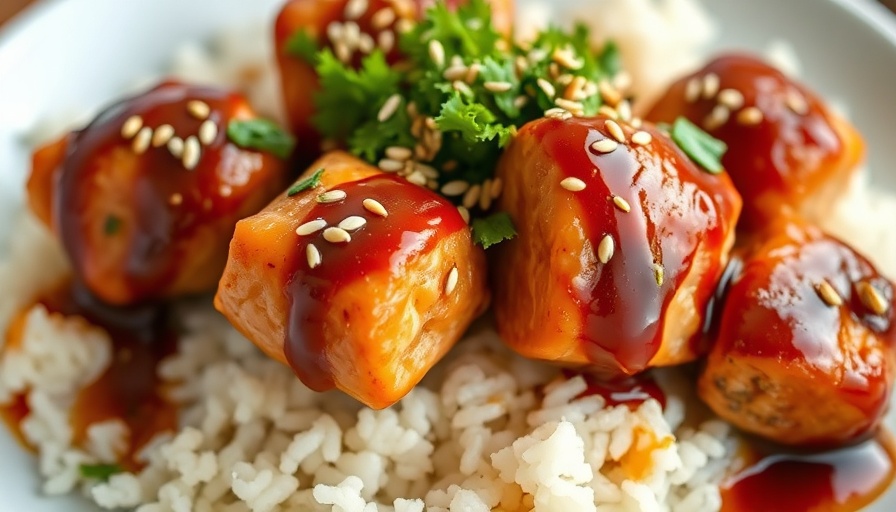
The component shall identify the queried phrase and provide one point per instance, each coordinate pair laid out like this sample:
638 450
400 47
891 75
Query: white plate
84 52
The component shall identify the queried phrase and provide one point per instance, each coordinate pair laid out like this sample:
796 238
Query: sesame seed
622 204
557 113
451 281
208 132
389 107
417 178
609 93
455 72
351 33
636 122
731 98
337 235
624 108
335 32
131 126
573 106
605 145
198 109
498 86
162 135
312 226
717 117
471 197
331 196
749 116
375 207
382 18
437 53
575 88
692 90
455 188
432 184
710 85
572 184
828 294
520 101
659 273
175 199
462 88
567 59
142 140
615 130
521 65
343 52
464 213
472 73
641 138
176 147
872 298
354 9
608 111
797 102
365 43
546 86
399 153
352 223
386 40
497 186
605 249
404 25
225 190
312 255
485 199
192 153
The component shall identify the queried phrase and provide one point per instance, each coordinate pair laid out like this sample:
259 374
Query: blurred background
10 7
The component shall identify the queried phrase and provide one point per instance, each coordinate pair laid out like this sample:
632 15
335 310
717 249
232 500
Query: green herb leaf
100 472
309 182
112 225
262 135
701 147
493 229
302 44
474 121
610 60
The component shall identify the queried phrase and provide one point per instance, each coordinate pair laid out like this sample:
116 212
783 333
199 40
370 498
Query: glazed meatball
361 282
145 198
621 240
804 350
788 153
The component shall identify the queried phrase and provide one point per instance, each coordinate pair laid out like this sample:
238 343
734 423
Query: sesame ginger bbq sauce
415 220
129 389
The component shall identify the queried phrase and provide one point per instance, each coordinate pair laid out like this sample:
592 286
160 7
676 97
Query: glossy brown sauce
631 391
621 302
843 480
129 389
417 220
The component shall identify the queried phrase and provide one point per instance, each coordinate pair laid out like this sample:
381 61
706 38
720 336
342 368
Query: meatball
145 198
619 245
787 152
804 350
362 282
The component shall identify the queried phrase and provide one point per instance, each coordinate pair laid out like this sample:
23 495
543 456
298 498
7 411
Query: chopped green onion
493 229
301 44
704 149
100 472
262 135
309 182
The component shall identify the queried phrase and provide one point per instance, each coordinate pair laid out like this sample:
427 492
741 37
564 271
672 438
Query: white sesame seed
608 111
717 117
828 294
417 178
635 122
567 59
382 18
175 199
312 255
389 107
546 86
692 90
404 25
520 101
198 109
192 153
605 145
455 72
354 9
391 165
605 249
497 186
872 298
342 51
312 226
208 132
462 88
572 184
641 138
472 72
331 196
471 197
574 90
131 126
557 113
141 142
176 147
337 235
797 102
351 33
615 130
399 153
498 86
749 116
710 85
437 53
622 204
624 108
731 98
455 188
520 64
366 43
464 213
451 281
375 207
574 107
386 40
352 223
659 273
162 135
335 32
609 93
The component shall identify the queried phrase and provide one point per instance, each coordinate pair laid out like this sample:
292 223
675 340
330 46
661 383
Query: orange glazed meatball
619 245
361 282
787 152
804 353
145 198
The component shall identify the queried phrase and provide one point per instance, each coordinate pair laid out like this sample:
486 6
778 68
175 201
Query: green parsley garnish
493 229
100 472
303 45
309 182
701 147
262 135
112 225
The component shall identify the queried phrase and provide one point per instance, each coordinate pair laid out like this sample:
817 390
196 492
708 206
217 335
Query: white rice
486 430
